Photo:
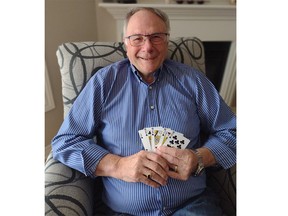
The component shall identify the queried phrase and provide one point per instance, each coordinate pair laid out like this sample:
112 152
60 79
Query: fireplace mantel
179 11
209 22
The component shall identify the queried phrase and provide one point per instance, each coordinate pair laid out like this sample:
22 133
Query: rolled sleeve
75 144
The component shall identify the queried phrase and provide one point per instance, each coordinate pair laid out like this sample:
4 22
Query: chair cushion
78 61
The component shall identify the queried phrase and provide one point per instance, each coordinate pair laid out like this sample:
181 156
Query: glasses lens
136 40
157 38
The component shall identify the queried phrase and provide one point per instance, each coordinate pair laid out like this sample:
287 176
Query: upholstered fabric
68 192
224 184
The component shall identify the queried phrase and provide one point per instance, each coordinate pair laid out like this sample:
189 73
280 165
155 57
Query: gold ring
175 168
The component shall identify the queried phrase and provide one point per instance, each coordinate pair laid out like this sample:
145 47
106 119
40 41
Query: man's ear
125 41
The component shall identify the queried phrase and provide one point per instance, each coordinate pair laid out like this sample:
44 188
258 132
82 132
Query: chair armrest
223 183
67 191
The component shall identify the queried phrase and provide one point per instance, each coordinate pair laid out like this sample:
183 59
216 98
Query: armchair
69 192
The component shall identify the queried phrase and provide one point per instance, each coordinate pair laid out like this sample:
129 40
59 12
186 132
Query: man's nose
147 43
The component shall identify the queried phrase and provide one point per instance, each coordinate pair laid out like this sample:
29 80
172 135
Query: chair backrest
78 61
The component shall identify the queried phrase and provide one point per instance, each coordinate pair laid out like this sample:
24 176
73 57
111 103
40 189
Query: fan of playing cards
154 137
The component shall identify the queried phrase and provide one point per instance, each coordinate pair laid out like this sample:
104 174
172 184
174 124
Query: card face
149 135
164 135
145 139
153 137
176 140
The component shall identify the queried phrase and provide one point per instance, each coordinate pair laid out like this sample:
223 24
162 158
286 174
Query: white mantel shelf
178 11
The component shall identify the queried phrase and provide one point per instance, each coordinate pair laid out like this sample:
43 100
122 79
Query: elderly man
99 137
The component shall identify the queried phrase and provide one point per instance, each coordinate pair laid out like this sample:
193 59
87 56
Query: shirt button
150 87
152 107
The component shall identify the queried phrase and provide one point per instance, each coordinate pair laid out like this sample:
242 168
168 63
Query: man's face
148 57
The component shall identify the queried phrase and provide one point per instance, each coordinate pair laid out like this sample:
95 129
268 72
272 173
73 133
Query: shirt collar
156 73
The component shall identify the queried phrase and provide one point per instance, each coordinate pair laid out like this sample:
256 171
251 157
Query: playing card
144 136
149 134
176 140
164 135
155 136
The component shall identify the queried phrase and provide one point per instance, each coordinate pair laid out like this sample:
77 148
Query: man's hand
147 167
182 162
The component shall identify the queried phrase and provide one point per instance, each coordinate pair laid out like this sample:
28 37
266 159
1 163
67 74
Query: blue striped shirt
116 103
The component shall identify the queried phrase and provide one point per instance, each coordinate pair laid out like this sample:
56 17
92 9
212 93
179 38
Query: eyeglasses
139 39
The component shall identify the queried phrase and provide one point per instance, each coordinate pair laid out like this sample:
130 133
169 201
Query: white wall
65 20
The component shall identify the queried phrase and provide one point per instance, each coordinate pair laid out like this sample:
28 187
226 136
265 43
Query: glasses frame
148 36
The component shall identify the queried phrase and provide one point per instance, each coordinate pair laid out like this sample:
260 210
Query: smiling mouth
146 59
